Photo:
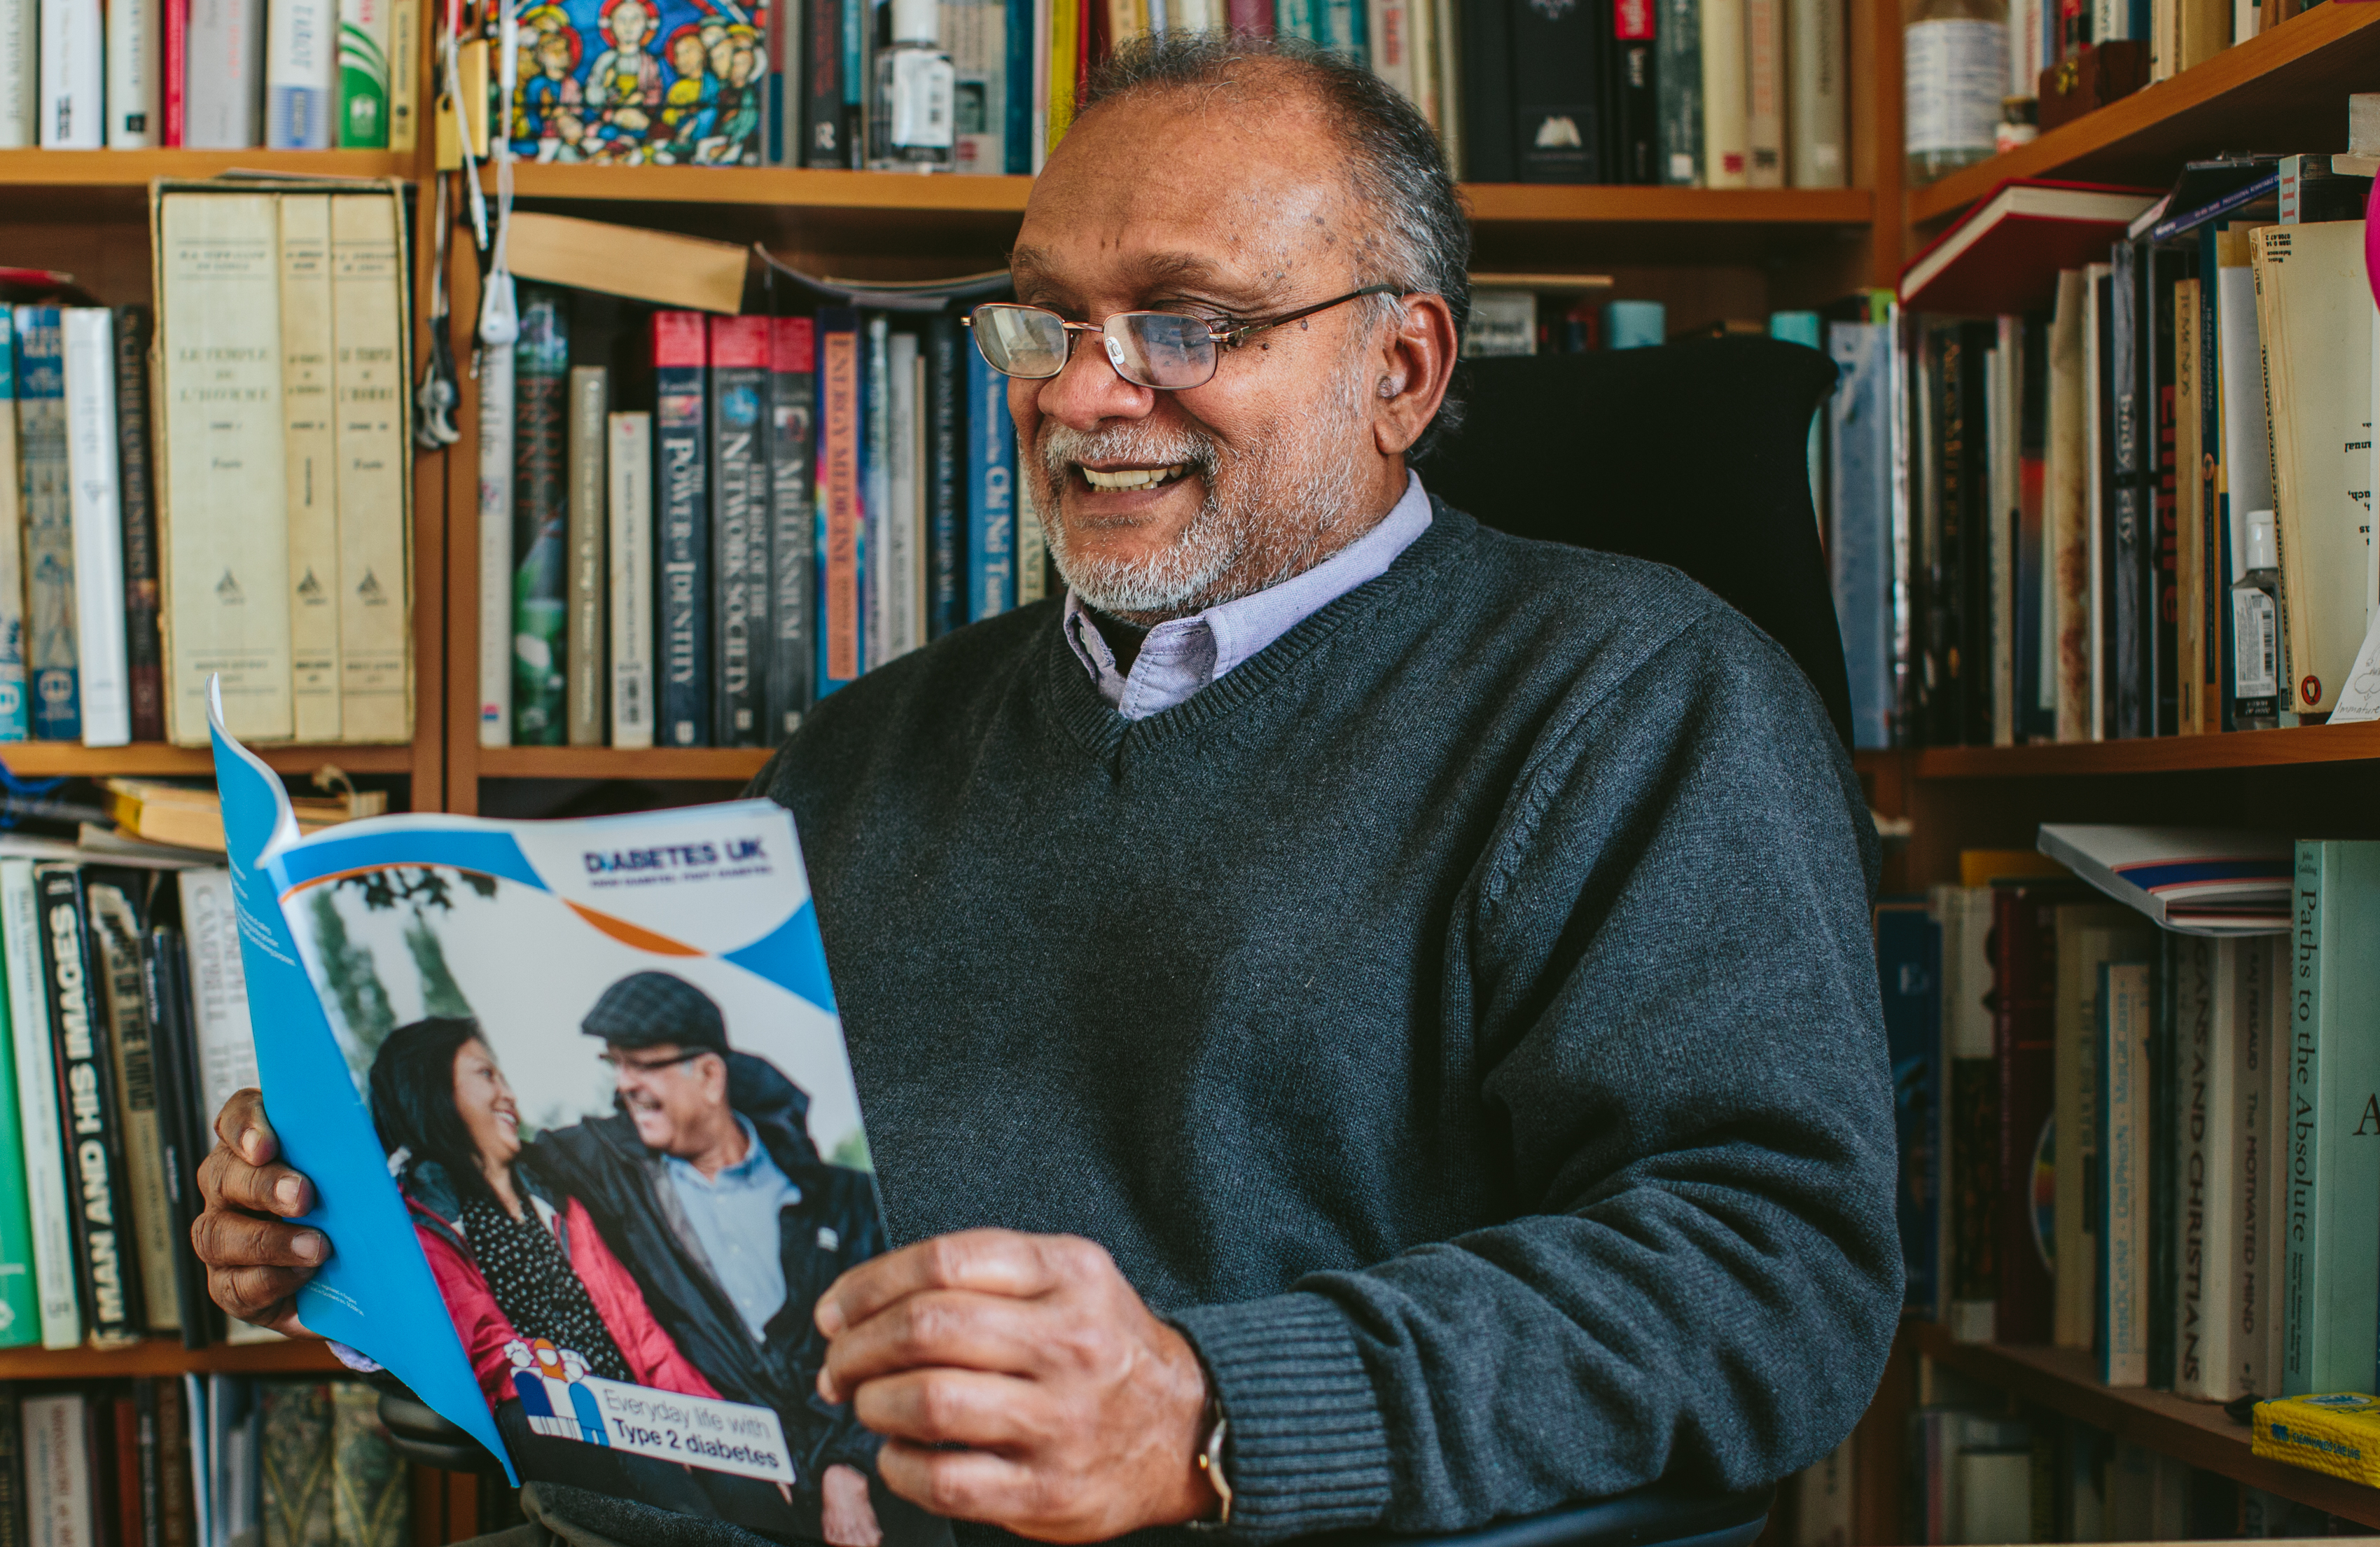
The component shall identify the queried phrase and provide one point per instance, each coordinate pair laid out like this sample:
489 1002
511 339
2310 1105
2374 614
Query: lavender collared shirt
1182 655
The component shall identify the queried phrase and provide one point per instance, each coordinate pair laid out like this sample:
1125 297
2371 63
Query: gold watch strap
1211 1461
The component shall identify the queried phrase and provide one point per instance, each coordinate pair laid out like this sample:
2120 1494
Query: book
2165 270
35 1067
107 1280
362 117
2090 935
822 137
1816 60
20 1282
2333 1262
1970 1117
14 726
666 268
73 84
2121 1169
405 44
746 987
940 408
102 683
682 500
225 1041
499 401
975 32
1764 112
2314 325
898 580
793 521
1487 56
2263 1179
2191 881
540 519
223 492
1726 90
225 81
60 1503
175 57
295 1491
2207 1160
2247 457
842 503
134 48
1909 969
118 923
591 491
136 500
48 507
1678 87
375 459
991 493
183 1137
740 511
2127 620
630 468
309 446
301 73
1555 120
371 1494
2024 1039
2191 651
2004 254
20 75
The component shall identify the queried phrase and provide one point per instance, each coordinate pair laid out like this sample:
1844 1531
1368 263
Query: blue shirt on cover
735 1217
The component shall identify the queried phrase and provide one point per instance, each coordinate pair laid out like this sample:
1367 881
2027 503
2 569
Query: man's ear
1414 364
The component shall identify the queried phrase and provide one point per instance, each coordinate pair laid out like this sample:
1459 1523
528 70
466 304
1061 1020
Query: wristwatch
1211 1461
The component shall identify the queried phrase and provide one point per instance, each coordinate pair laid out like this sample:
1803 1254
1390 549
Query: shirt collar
755 1156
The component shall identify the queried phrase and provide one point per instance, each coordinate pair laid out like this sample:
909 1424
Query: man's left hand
1079 1410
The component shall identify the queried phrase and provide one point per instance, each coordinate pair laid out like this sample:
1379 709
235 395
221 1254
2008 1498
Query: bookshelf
159 1356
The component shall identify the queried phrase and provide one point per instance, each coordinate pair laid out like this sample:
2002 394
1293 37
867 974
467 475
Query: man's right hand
256 1260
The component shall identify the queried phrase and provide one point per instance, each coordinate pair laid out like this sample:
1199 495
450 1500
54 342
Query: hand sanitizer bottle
2256 630
911 123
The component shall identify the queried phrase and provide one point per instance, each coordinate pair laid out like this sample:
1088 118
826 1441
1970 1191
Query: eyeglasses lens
1021 340
1161 349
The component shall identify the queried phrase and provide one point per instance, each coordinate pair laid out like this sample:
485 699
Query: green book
540 519
362 121
2332 1274
294 1467
20 1303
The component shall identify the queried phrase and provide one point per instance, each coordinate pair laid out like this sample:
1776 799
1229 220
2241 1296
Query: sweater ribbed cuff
1308 1448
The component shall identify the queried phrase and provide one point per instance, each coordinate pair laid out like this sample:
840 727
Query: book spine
226 578
1971 1119
2124 1076
16 1528
1814 56
880 564
2189 514
362 119
1978 547
2005 359
2249 1000
895 445
166 981
1556 123
224 87
854 31
540 519
2165 1035
2161 645
49 523
1488 99
2025 1037
173 98
2212 1122
105 1276
73 117
370 1485
120 1002
98 516
1390 23
310 445
2127 539
1909 958
822 143
58 1468
1017 103
405 18
135 493
1726 89
841 507
226 1044
945 607
178 1504
20 74
35 1067
682 497
1678 87
991 493
375 455
1635 109
497 403
20 1305
300 73
630 467
977 35
793 540
134 29
14 726
589 498
739 530
1764 114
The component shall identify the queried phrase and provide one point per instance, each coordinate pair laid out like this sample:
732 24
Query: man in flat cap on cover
708 1157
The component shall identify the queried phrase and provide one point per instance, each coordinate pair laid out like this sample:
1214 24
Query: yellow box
2337 1432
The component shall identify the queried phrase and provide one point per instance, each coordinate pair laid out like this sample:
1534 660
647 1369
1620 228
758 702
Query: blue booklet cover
575 1099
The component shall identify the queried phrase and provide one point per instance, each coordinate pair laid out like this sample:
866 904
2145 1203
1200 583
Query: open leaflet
575 1099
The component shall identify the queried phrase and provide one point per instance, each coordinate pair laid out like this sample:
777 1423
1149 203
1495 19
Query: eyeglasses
1161 349
651 1065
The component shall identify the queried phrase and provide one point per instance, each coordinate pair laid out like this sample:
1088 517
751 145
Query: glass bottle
1954 68
2256 631
911 126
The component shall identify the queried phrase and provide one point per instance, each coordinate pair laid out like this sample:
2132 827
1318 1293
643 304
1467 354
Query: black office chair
1694 454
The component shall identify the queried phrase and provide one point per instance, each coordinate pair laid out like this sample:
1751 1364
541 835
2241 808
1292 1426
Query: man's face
670 1097
628 25
1228 203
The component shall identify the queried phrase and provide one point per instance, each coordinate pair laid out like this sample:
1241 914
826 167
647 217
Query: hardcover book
682 528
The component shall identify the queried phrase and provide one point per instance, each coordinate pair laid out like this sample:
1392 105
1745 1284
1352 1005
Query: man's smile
1130 476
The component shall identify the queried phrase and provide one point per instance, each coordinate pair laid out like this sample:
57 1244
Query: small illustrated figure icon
551 1383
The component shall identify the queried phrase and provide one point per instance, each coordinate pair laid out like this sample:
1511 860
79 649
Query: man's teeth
1130 477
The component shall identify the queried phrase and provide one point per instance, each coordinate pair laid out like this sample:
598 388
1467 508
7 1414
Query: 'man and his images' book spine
49 524
136 492
792 522
682 521
630 469
590 683
991 493
119 926
540 519
841 557
34 1062
739 533
13 725
100 1194
91 450
946 564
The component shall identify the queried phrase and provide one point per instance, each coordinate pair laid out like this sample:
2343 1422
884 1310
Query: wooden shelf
723 764
776 187
2163 754
48 759
136 168
2195 1433
162 1355
2282 90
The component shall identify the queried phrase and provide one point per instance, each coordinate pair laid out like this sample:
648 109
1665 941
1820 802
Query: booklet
575 1099
2202 881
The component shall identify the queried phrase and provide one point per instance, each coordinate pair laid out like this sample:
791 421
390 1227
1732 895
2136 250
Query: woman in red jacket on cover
514 1261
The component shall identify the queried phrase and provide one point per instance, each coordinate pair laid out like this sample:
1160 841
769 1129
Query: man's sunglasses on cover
1161 349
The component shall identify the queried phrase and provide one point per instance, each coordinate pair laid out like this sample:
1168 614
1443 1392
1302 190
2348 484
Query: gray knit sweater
1460 1019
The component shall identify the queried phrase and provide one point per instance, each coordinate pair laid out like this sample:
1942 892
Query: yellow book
368 276
1065 44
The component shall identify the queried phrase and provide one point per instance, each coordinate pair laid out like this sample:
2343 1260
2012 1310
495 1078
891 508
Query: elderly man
1362 1021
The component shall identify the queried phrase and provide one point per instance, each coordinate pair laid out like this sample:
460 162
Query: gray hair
1418 239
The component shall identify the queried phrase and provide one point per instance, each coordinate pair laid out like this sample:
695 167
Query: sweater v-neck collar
1076 704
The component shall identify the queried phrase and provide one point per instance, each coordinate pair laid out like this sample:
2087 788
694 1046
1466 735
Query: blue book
945 565
681 518
991 493
1018 142
13 725
1859 547
50 661
842 610
1909 971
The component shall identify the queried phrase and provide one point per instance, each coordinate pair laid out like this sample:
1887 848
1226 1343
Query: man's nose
1088 390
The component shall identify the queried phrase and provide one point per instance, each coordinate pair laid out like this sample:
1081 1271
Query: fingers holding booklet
246 1195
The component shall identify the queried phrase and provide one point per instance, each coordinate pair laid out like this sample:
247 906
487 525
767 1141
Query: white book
975 33
223 482
223 94
220 1028
57 1472
368 381
1421 40
2247 448
1764 86
135 66
106 684
2206 1120
2125 1079
904 551
301 73
310 447
37 1107
1726 95
2111 20
73 86
20 74
2024 48
1391 25
1815 103
496 547
630 545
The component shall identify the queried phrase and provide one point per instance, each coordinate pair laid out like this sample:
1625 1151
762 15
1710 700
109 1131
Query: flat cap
648 1008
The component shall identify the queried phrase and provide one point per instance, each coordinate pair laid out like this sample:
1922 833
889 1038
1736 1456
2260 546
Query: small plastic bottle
2256 630
1954 70
911 123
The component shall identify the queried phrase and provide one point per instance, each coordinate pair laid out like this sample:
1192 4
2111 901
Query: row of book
2043 525
710 521
216 486
199 1461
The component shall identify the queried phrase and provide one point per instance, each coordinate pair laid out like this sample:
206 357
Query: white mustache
1062 445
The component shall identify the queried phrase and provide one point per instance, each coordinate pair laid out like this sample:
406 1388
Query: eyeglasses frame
1222 337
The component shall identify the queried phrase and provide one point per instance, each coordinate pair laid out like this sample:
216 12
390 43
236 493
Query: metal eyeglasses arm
1236 334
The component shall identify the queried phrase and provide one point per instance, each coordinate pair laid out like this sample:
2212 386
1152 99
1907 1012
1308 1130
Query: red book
2005 253
2024 1021
1252 16
177 68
